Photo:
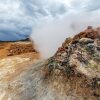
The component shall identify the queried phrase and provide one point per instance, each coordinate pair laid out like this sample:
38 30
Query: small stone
98 48
93 64
85 40
89 27
57 71
91 46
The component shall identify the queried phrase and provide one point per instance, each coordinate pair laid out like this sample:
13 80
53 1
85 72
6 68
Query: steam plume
50 35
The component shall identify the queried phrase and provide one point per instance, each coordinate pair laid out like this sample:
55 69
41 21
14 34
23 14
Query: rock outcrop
76 66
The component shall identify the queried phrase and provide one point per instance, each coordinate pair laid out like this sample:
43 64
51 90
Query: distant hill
26 39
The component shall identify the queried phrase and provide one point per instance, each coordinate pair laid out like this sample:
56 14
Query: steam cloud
49 36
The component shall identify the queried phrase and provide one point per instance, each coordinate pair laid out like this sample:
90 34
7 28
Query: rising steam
50 35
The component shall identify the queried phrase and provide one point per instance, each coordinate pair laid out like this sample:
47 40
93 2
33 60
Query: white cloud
21 14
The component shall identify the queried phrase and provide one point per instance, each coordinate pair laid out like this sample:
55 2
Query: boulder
86 40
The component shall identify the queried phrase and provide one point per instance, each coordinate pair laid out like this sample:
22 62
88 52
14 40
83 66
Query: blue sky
19 17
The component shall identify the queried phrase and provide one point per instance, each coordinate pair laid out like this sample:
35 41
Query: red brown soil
24 48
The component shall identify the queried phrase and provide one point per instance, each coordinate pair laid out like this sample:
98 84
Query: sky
19 18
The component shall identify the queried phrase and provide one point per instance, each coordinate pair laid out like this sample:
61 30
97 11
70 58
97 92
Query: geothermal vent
73 73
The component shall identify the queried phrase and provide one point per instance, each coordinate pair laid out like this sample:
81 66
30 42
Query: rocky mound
75 69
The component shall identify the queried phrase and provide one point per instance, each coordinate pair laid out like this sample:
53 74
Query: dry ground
11 69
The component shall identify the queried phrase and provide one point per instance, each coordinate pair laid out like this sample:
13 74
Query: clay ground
11 69
14 84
